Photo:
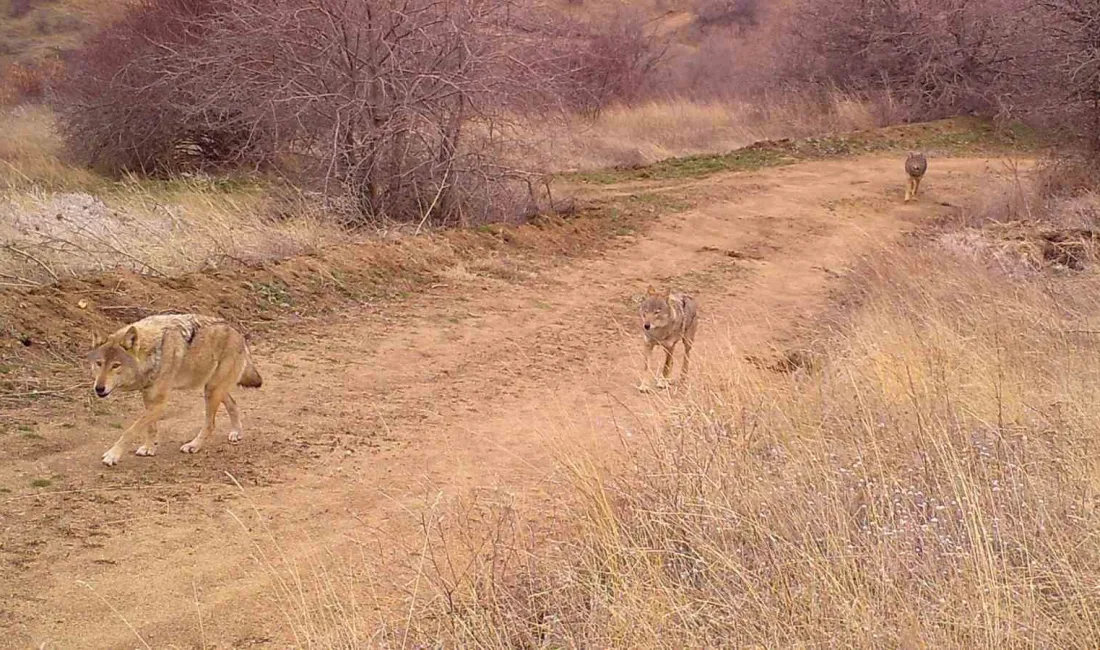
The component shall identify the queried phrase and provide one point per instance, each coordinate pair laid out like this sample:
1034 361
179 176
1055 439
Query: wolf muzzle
102 391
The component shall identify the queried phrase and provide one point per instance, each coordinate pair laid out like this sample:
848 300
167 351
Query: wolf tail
250 378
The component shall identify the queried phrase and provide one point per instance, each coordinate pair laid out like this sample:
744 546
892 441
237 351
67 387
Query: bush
614 63
398 106
740 15
20 83
940 57
20 8
1072 92
134 92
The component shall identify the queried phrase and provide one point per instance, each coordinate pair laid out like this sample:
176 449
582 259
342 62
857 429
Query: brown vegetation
925 482
404 108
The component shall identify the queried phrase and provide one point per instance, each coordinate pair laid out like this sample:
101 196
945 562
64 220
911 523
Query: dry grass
679 127
932 481
46 27
30 155
1034 219
59 220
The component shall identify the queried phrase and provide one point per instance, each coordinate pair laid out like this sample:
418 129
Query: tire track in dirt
472 386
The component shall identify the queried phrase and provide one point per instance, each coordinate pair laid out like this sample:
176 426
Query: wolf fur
168 352
915 166
667 318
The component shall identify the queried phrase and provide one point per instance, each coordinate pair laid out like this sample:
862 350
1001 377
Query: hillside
34 30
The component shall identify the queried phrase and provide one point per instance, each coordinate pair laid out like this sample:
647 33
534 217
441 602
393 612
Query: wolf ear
129 339
97 340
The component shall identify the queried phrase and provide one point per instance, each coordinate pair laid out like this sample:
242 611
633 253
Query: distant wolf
915 166
667 318
168 352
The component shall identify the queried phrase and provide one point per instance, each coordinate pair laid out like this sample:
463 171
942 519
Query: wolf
167 352
667 318
915 166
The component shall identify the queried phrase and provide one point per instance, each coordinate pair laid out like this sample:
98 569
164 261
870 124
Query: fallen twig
34 259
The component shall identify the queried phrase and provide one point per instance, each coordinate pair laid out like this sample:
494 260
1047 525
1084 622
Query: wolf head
112 361
655 311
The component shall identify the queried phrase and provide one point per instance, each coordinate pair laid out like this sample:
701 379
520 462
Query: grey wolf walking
168 352
915 166
667 318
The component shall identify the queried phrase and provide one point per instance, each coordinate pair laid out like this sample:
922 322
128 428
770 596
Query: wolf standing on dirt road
173 351
666 319
915 166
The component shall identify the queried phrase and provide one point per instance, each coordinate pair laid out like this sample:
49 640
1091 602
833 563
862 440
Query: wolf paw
191 447
111 457
234 436
663 383
146 450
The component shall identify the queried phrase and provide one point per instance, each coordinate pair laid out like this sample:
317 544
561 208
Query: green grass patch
955 136
273 293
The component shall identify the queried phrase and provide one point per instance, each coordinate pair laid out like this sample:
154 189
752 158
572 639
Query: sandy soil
367 422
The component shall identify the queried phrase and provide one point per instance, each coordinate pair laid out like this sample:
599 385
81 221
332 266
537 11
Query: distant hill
33 30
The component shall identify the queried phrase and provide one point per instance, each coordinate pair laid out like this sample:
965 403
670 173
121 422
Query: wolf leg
234 418
154 409
689 341
149 442
647 350
214 398
666 369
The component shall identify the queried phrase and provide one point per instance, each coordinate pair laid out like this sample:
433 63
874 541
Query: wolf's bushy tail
250 378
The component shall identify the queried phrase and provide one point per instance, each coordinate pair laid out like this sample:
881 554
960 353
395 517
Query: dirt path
363 423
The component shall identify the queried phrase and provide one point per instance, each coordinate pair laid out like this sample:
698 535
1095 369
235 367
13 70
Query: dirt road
363 423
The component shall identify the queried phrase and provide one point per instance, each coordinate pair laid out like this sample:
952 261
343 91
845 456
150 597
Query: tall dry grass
59 220
931 480
30 154
653 131
927 476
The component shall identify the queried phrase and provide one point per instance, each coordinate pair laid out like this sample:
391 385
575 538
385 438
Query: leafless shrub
20 8
588 66
942 57
121 111
1072 90
740 15
617 62
400 106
